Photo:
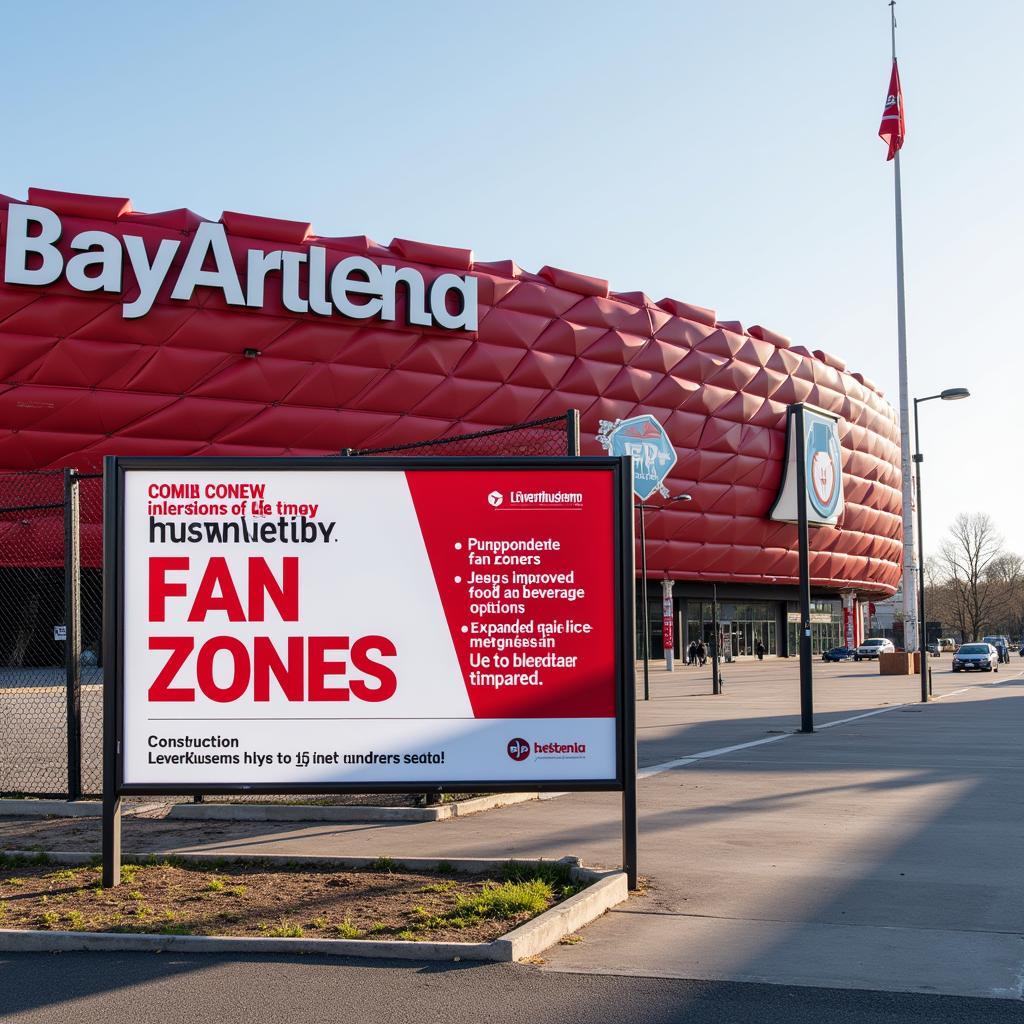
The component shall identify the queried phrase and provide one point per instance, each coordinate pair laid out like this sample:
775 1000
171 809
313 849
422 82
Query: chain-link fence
90 601
33 673
51 605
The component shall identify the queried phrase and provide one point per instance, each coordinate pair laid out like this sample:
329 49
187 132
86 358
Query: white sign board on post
325 625
823 471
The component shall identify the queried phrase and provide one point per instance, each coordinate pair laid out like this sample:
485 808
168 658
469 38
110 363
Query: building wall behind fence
34 682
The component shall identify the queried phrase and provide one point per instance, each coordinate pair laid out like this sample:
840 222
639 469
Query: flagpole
909 568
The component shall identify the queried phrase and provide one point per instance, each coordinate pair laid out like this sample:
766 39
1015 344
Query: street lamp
643 577
949 395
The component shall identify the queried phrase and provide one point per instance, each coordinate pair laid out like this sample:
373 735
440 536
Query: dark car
838 654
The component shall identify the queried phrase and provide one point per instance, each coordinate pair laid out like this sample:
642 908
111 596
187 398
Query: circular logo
518 749
824 469
823 477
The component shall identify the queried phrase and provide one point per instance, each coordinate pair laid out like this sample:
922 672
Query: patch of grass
76 920
283 930
136 895
319 922
129 871
3 910
439 887
50 919
558 876
570 940
407 936
506 899
495 902
347 930
387 864
238 890
16 882
377 927
175 929
215 885
63 876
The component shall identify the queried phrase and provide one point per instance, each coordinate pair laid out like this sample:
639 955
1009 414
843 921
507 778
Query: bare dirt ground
383 901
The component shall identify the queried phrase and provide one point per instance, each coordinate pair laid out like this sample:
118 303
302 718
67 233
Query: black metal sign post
803 543
72 634
625 524
113 537
114 566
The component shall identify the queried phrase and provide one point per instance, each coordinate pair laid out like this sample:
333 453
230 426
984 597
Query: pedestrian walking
691 652
759 650
702 653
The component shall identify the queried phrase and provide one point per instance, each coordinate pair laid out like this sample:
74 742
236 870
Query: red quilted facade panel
80 381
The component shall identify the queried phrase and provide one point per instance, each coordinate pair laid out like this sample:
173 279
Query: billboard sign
645 439
318 625
823 470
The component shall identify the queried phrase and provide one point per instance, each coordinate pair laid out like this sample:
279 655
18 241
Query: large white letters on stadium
31 257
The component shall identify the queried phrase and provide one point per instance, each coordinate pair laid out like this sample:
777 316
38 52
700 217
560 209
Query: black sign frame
114 787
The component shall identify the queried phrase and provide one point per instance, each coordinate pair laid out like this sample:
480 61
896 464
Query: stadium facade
168 334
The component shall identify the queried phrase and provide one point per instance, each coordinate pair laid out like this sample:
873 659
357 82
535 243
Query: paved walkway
883 853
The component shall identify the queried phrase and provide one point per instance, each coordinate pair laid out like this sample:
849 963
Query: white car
873 647
982 657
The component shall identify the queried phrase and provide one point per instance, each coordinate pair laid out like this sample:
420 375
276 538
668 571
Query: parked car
838 654
873 647
947 643
980 657
1001 644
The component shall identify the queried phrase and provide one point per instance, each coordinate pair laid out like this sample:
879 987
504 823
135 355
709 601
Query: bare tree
1007 577
972 559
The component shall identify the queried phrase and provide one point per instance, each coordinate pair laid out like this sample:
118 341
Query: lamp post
949 395
643 578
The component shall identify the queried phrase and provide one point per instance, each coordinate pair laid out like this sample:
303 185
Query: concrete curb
268 812
607 889
346 812
51 808
465 864
66 808
548 928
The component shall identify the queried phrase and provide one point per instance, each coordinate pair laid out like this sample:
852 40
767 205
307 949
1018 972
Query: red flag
893 128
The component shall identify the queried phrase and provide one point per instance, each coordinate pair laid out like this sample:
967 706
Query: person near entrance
691 653
759 649
702 653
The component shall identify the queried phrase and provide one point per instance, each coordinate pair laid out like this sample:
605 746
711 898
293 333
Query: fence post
572 432
73 632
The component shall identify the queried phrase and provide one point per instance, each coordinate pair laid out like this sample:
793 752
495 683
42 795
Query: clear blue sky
721 153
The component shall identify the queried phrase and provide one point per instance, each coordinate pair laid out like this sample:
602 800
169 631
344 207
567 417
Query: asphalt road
92 988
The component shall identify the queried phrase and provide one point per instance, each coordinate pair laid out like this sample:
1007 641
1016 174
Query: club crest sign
645 439
823 470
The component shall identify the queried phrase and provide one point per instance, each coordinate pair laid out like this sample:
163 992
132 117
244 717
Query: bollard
929 680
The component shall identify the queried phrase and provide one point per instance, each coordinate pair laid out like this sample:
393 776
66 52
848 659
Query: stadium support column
849 619
668 615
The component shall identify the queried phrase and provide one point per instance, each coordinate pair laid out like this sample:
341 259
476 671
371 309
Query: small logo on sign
824 468
495 498
518 749
823 477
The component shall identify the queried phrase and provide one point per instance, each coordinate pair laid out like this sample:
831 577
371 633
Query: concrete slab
930 960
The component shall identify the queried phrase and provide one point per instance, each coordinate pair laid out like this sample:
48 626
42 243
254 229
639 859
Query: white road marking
682 762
